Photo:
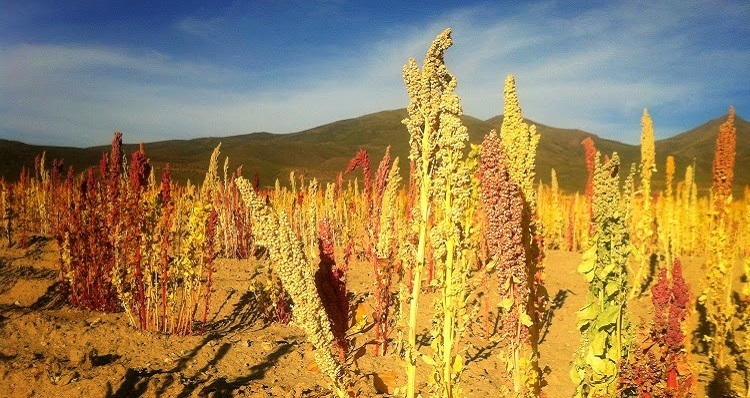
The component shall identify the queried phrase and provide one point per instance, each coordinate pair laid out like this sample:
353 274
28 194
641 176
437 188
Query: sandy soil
50 349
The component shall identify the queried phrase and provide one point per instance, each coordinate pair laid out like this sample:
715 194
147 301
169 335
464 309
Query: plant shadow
557 303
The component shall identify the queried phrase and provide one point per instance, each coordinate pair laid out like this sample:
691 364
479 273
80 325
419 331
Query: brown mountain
325 150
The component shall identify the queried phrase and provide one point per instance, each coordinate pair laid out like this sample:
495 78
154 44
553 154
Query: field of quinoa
469 279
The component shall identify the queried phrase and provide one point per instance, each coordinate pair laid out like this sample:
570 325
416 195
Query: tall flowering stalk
427 89
453 215
385 252
7 208
515 240
603 321
520 142
723 164
554 222
668 234
274 232
590 148
716 298
644 218
380 210
503 203
648 156
688 214
441 182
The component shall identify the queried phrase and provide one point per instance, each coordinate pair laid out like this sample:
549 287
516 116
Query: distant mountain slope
697 147
323 151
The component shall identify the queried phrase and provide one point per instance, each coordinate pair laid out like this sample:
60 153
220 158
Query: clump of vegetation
659 365
274 232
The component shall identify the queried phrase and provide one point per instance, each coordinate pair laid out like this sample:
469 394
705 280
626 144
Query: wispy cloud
593 69
597 69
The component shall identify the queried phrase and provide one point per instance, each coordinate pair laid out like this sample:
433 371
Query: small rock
68 378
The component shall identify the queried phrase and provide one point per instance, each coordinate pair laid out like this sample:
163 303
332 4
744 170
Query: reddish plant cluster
362 159
125 244
87 252
723 164
504 207
502 202
86 240
330 281
234 230
588 144
382 265
660 367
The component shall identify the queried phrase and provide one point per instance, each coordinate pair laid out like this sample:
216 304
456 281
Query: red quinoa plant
659 365
379 210
122 247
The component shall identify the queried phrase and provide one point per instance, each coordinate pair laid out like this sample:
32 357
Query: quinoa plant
7 209
380 210
503 202
603 320
643 234
274 232
441 183
659 365
716 299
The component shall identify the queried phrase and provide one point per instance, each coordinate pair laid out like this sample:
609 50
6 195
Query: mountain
696 147
323 151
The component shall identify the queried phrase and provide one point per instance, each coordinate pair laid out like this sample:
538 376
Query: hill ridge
325 150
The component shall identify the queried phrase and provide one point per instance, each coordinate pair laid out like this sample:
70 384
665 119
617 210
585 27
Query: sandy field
50 349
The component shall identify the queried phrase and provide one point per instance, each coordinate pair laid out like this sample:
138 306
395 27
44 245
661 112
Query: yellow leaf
427 359
505 303
458 364
360 314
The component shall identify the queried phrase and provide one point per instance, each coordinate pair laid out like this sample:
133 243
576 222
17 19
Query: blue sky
71 72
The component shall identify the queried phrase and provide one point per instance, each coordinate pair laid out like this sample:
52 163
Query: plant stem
424 207
448 319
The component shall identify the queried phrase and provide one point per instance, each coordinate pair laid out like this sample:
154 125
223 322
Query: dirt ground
49 349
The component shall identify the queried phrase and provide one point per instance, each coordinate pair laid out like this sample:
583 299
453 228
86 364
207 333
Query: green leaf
611 288
604 369
608 317
605 271
427 359
599 344
588 263
586 314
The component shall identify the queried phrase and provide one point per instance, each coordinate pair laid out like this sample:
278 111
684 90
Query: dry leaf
313 367
360 314
384 382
